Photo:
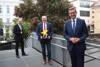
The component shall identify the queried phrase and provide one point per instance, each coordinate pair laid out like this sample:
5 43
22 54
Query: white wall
4 15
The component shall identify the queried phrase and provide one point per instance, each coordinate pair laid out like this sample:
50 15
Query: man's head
34 20
72 12
44 18
20 20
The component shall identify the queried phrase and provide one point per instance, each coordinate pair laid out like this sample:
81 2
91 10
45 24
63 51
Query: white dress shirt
44 25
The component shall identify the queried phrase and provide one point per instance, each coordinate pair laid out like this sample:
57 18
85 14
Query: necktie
43 26
74 25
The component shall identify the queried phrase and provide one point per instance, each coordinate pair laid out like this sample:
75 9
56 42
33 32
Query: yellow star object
44 32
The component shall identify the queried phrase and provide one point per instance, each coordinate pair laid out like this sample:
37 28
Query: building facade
7 10
95 17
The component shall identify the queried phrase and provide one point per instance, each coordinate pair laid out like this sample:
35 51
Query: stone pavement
34 59
92 58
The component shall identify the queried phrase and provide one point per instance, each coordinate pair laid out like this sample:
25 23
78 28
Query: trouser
46 45
21 44
77 57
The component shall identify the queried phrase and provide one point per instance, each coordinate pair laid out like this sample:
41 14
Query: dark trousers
21 44
77 57
46 45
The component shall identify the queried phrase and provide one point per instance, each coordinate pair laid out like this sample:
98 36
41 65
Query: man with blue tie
44 32
75 32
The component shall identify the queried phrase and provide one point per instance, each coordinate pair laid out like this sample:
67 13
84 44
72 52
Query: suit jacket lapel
47 26
18 27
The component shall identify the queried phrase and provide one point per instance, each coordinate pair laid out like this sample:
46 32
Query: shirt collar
74 19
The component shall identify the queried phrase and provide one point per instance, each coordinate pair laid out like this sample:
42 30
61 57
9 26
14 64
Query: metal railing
59 50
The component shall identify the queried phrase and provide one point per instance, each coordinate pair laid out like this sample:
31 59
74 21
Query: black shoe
17 56
24 54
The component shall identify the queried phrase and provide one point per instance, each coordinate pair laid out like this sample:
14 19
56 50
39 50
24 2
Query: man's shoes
24 54
44 62
17 56
50 62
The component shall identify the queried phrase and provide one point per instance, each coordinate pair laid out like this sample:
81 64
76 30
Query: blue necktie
74 25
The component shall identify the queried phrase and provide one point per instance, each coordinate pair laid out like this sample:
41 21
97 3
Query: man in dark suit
18 36
76 33
44 32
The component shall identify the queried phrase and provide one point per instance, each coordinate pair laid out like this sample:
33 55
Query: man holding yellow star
44 32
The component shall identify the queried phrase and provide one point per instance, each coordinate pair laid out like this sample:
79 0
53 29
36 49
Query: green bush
26 29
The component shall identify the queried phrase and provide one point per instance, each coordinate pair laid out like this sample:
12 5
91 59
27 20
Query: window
85 13
8 9
8 21
92 28
92 16
0 19
0 9
85 4
92 11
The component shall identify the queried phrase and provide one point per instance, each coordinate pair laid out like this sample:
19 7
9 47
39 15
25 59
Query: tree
26 10
1 27
56 10
1 23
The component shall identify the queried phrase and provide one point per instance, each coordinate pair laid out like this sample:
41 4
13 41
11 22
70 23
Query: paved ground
34 59
93 58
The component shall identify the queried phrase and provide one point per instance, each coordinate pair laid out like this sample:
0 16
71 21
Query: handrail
88 43
54 43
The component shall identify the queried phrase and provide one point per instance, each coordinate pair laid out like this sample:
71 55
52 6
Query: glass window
92 28
0 9
85 4
8 9
0 19
85 13
8 21
92 16
92 11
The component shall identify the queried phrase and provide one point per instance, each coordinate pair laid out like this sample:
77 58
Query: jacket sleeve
15 30
51 30
66 32
85 32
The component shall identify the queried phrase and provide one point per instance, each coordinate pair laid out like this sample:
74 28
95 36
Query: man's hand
41 37
74 40
44 37
77 40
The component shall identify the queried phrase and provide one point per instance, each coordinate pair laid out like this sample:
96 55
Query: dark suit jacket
80 32
18 36
1 31
40 29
